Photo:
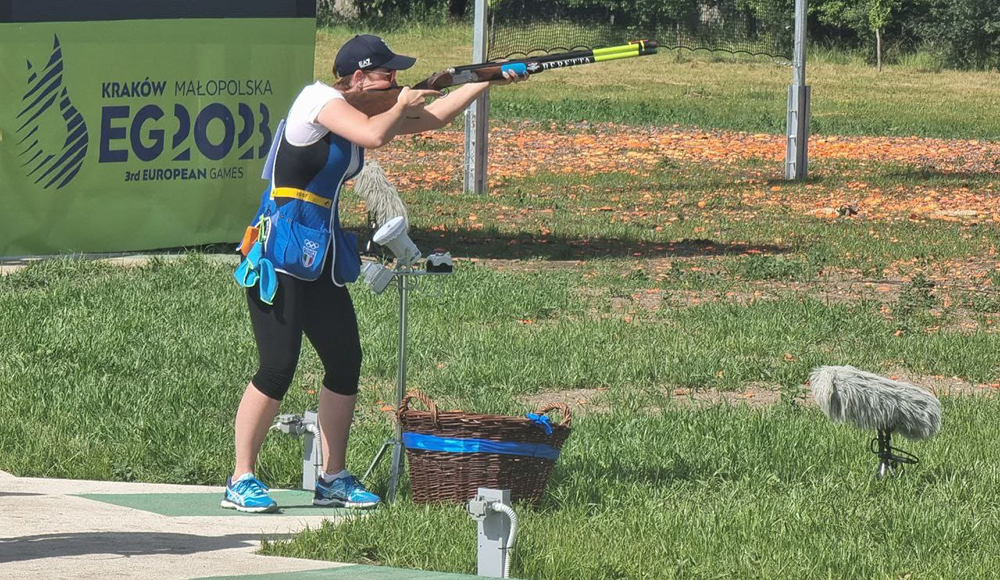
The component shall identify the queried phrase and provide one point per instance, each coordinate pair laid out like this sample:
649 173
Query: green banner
125 135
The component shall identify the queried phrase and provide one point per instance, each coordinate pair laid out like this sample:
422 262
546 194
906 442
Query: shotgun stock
373 103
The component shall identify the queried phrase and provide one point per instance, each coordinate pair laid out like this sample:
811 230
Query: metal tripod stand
396 441
891 459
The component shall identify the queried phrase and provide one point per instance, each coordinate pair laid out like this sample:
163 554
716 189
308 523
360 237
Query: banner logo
46 116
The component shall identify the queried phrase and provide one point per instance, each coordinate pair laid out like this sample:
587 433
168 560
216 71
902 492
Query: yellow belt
301 194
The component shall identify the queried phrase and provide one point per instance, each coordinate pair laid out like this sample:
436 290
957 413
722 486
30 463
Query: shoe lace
353 486
254 487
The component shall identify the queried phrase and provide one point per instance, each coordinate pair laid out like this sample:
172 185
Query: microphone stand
889 461
401 275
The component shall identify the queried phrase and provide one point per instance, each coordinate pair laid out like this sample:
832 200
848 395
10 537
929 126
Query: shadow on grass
476 244
497 245
811 179
896 174
956 178
626 474
120 543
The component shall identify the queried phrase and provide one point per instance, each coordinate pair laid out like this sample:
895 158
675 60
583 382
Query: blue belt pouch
299 250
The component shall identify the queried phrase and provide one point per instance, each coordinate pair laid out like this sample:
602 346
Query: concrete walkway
47 531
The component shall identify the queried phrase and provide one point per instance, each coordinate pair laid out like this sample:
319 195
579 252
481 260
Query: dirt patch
946 307
943 386
757 395
752 396
530 266
520 150
585 401
578 400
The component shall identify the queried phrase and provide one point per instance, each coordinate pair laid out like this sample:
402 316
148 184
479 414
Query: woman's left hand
510 77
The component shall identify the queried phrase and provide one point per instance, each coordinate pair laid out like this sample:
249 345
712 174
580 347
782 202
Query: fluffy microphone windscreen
869 401
381 198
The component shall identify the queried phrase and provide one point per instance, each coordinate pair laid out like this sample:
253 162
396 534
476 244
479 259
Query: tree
863 18
879 12
847 14
966 31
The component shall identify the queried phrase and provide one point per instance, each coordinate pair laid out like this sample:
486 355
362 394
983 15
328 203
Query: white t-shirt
301 126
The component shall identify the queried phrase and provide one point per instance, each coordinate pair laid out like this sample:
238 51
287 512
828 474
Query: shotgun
379 101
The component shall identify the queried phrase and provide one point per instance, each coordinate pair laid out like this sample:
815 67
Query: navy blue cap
365 52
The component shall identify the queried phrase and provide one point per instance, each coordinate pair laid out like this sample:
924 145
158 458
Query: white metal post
493 532
477 115
799 96
312 452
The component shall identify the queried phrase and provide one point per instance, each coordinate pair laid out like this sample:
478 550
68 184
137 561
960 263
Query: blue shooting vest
299 226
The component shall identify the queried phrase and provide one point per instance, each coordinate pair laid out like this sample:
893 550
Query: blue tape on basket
432 443
542 421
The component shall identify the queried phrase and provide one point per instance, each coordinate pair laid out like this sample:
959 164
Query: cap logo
364 63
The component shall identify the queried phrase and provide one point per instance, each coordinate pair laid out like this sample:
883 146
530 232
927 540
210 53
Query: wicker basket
517 454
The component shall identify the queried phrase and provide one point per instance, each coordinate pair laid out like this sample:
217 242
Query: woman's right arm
372 132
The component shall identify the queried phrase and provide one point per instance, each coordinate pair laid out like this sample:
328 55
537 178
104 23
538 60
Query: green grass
720 493
135 373
794 243
718 92
127 361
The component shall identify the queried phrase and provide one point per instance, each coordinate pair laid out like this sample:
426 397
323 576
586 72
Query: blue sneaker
248 494
344 492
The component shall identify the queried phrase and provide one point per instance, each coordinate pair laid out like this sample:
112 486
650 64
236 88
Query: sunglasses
381 72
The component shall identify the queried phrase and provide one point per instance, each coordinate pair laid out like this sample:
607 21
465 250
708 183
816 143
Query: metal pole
801 14
477 114
397 447
799 96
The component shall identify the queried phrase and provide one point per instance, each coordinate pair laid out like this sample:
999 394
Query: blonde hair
343 83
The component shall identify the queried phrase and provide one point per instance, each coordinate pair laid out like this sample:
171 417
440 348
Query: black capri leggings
323 311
